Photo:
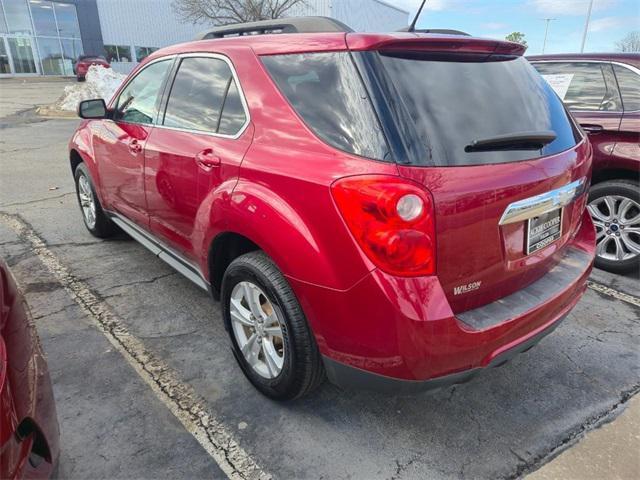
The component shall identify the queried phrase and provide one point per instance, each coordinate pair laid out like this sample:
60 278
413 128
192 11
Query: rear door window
138 102
455 101
328 94
629 83
204 97
587 86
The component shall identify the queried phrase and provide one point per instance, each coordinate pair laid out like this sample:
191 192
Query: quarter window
205 97
583 86
138 101
327 92
629 83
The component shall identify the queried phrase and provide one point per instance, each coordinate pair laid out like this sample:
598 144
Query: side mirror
92 109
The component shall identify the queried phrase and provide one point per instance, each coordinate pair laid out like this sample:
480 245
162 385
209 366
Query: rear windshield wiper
513 141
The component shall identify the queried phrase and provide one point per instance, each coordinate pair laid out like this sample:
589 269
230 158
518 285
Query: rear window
453 103
327 92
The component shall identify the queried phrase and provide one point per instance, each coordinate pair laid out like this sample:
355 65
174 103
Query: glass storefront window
22 54
71 50
3 22
43 17
144 52
17 16
50 56
5 66
67 17
118 53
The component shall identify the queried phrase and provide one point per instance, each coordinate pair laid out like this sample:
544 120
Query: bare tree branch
224 12
630 43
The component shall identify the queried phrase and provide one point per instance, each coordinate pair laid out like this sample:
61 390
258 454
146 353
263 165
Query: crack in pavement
180 398
39 200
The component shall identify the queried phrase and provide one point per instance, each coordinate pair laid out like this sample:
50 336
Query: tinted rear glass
455 102
327 92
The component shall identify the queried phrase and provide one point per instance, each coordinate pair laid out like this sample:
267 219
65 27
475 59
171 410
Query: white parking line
625 297
178 397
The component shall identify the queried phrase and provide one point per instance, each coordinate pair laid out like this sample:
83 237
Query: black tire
621 188
103 227
302 370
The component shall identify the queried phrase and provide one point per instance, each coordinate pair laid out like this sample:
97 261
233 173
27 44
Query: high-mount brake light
392 219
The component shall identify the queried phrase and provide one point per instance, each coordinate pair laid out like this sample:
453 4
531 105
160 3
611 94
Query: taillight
392 220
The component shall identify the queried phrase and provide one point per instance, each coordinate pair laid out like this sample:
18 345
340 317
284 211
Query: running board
161 251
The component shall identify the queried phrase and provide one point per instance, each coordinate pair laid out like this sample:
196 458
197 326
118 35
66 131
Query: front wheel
270 337
614 206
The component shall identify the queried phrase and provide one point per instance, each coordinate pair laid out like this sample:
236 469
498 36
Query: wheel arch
604 175
224 249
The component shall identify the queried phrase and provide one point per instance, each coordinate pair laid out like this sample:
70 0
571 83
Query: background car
603 93
29 431
84 62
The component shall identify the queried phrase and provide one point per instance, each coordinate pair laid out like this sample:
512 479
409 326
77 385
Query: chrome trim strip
543 203
168 255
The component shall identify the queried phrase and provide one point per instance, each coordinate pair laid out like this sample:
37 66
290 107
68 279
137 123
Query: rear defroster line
178 397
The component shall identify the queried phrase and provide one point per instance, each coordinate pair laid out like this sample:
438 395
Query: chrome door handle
591 128
207 159
134 146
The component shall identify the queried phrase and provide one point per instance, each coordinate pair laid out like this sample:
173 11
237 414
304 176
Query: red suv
396 210
603 93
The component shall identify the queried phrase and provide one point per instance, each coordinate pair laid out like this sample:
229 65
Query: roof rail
444 31
280 25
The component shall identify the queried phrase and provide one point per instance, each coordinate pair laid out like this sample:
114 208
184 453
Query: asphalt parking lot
146 385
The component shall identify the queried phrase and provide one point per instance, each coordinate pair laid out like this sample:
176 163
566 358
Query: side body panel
121 162
182 196
282 201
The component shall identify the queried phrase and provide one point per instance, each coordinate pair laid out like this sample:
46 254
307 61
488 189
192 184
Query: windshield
455 102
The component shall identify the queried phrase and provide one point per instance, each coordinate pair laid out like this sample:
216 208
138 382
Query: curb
51 112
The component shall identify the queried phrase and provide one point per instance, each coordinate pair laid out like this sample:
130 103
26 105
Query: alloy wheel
87 201
257 328
617 222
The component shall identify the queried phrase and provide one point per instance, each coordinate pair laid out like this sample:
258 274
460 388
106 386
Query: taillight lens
392 220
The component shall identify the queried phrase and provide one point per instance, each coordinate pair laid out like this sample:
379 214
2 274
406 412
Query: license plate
543 230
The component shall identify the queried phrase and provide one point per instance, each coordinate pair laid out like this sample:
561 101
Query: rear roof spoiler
280 25
436 43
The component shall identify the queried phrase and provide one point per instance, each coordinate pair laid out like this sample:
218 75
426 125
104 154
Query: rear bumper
400 334
348 377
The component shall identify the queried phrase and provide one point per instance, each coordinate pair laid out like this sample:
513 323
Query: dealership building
45 37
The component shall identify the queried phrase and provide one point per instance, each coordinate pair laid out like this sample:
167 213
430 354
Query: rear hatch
484 131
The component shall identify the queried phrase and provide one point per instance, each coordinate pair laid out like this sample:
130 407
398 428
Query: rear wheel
269 333
614 206
96 221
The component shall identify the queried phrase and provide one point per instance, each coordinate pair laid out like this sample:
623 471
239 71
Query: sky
610 21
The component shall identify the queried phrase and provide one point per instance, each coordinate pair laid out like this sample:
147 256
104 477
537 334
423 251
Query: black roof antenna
412 27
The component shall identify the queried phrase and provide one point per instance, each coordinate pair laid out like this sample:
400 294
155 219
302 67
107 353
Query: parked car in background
84 62
28 423
359 206
603 93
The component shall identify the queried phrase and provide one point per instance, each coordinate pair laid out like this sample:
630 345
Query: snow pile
100 83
